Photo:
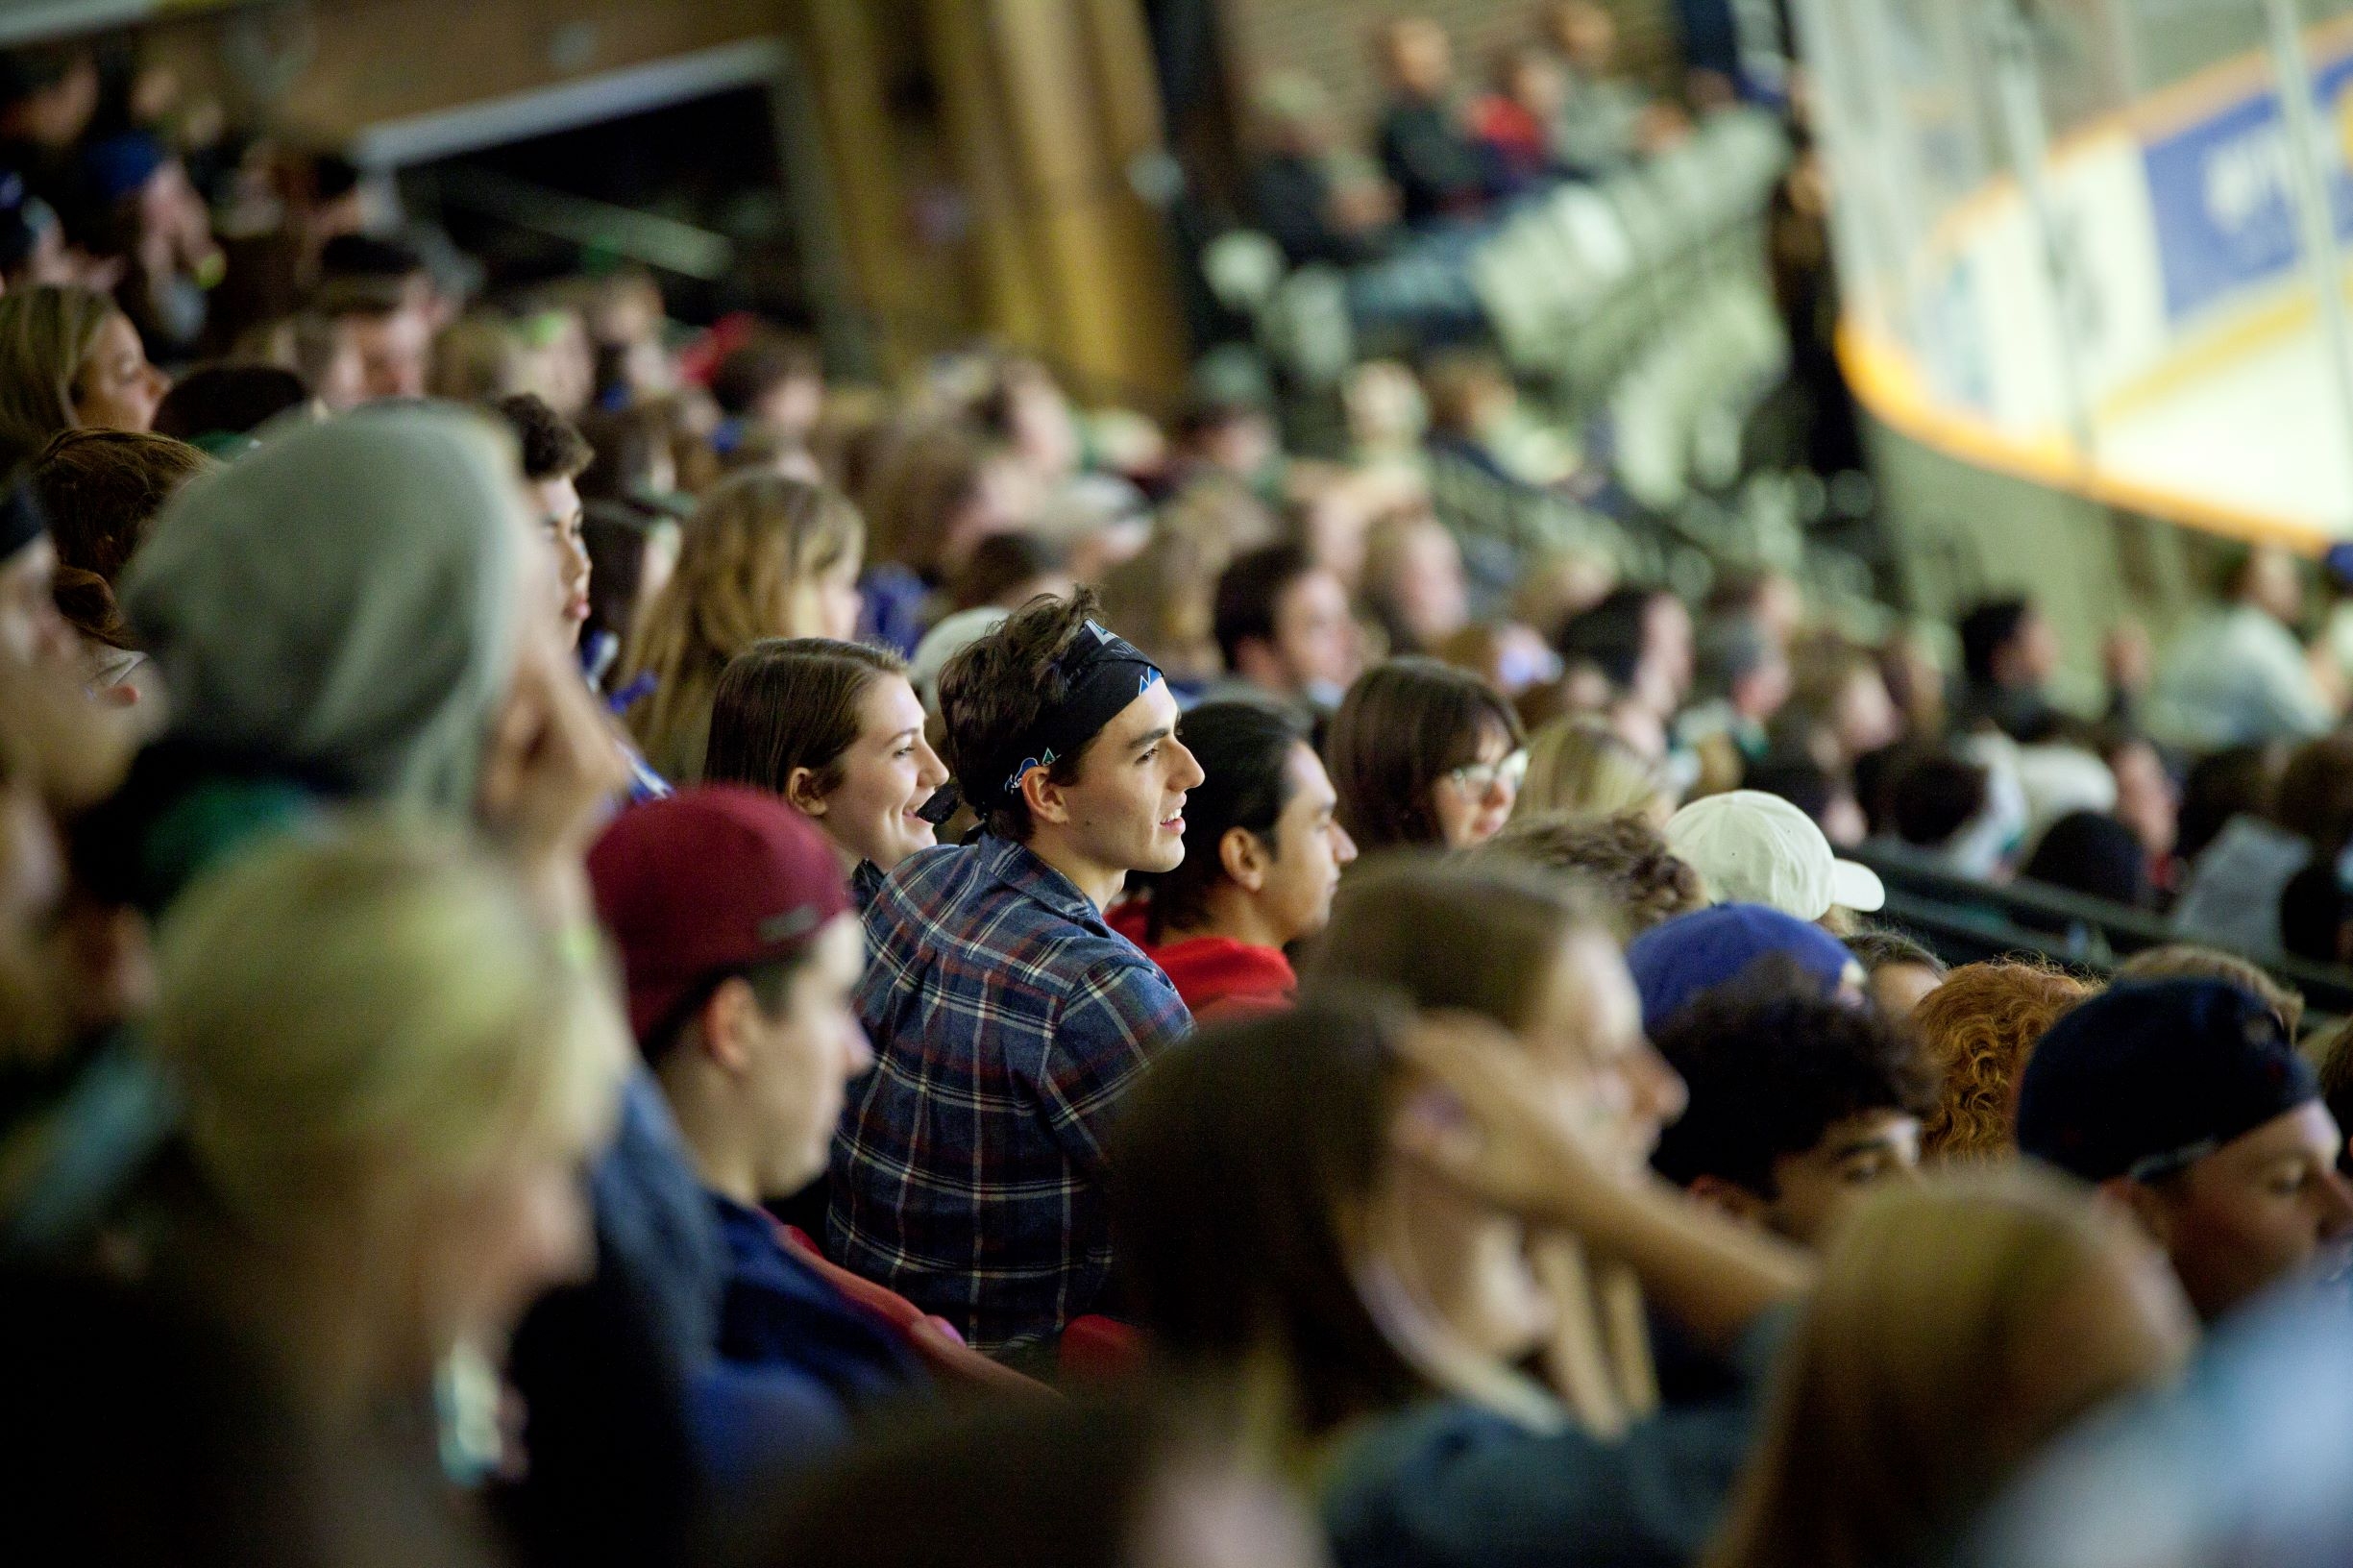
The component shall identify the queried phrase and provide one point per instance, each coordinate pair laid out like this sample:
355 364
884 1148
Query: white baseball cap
1751 848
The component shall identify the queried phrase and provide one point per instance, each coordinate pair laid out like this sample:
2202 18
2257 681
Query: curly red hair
1979 1027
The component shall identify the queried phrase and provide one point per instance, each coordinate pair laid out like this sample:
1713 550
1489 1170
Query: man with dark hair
1007 1017
771 385
216 409
2186 1104
1799 1103
381 293
555 455
2008 654
1283 627
1266 859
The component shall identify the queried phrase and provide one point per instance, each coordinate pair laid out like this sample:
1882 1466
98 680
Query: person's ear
2147 1206
1729 1199
1048 801
726 1019
1244 858
801 794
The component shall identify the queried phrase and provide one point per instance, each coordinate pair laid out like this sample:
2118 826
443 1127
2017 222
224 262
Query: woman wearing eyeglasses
1423 753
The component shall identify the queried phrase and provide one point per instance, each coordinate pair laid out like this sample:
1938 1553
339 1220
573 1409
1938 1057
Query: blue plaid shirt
1007 1018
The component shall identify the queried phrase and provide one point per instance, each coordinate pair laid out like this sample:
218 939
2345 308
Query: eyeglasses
1476 779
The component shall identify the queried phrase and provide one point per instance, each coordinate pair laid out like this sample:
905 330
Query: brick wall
1330 39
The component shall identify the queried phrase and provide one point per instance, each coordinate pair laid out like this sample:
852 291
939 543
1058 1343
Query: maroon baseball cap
709 881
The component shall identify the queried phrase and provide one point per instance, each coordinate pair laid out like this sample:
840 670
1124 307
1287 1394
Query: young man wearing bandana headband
1006 1016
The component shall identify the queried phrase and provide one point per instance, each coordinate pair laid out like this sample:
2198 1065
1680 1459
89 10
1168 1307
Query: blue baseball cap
1676 961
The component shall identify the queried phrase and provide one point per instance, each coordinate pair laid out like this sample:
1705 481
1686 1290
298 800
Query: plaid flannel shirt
1006 1017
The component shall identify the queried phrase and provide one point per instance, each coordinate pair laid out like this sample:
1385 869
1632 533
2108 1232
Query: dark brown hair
1233 1166
1478 934
992 694
101 490
1622 858
552 446
1401 728
791 702
628 442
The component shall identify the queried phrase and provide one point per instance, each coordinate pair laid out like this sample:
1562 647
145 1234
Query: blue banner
2219 192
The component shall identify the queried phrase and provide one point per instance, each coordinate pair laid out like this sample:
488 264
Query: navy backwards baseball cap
2145 1080
1676 960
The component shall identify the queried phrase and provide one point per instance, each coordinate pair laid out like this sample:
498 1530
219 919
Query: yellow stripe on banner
1885 381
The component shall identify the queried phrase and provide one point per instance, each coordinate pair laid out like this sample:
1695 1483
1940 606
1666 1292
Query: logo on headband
1013 784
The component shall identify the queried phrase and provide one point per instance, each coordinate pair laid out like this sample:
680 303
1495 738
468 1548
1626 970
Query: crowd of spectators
612 950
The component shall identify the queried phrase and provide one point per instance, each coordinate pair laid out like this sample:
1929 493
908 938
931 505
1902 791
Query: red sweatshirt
1217 976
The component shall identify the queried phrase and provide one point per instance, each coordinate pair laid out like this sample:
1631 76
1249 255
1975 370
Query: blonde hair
747 571
46 336
1579 766
1912 1389
370 1016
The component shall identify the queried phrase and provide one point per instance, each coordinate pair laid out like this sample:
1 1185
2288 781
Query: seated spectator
385 1187
1745 674
1840 709
2009 654
1797 1104
1423 753
2267 824
70 359
1978 1027
2186 960
773 386
1960 1328
1678 960
133 201
631 556
1424 149
1009 570
1581 767
2239 676
216 409
1514 125
1958 811
1641 640
2185 1103
2149 801
1266 859
969 1173
102 491
479 357
1274 1175
1413 583
1901 971
380 292
1135 1482
1305 191
2094 855
554 457
2316 915
933 497
633 464
741 952
1622 858
764 557
321 349
1751 848
834 729
1284 628
1606 121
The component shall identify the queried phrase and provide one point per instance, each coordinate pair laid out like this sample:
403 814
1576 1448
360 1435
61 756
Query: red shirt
1217 976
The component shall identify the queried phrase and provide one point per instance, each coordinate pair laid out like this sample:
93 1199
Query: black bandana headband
1101 674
